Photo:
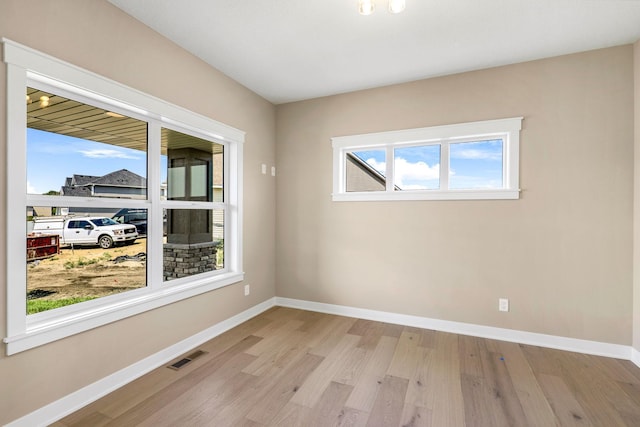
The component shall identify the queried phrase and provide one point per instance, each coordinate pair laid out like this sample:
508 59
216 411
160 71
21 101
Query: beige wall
95 35
636 204
562 253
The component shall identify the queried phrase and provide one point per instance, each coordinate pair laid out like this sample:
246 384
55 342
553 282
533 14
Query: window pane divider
154 211
390 163
177 204
71 201
444 165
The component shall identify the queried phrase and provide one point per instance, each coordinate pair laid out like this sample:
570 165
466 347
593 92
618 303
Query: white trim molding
635 357
522 337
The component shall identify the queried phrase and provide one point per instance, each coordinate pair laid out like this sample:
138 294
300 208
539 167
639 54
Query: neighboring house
39 211
121 183
361 176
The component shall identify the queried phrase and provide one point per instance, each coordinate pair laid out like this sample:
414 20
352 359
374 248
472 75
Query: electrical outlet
503 304
247 290
264 169
273 171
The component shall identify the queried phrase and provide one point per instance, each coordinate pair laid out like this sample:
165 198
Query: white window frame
506 129
27 66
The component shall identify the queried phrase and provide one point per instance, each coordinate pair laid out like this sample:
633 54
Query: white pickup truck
100 231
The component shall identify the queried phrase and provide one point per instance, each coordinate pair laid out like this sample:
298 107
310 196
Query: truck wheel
105 242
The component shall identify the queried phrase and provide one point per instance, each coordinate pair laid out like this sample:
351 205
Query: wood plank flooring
289 367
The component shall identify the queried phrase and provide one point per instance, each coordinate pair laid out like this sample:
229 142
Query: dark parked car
133 216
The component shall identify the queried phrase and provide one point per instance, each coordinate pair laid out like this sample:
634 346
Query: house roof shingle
122 177
82 179
75 191
79 185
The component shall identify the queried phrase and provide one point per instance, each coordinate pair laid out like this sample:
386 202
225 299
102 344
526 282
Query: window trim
24 65
506 129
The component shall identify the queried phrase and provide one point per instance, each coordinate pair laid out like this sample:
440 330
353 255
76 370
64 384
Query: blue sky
472 165
476 164
51 158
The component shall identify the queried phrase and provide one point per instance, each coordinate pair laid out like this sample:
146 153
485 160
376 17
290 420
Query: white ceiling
289 50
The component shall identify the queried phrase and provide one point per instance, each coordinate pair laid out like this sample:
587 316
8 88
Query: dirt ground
88 272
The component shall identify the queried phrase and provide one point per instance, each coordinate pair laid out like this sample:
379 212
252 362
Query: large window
118 202
476 160
86 154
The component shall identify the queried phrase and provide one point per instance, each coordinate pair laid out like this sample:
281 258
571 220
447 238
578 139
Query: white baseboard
60 408
635 356
54 411
522 337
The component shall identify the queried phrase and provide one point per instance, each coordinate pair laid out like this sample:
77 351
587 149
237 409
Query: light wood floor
295 368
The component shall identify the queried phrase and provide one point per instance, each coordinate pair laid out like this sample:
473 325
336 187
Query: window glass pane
192 167
176 174
75 149
366 170
194 242
81 255
198 180
134 216
476 164
417 168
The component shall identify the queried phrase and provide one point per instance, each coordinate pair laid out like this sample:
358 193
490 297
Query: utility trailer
42 246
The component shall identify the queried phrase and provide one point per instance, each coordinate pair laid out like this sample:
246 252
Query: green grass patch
38 305
82 261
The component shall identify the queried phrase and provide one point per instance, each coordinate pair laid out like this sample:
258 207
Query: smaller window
477 160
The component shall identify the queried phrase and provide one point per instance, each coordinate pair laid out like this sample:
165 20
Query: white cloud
408 175
474 154
31 189
413 175
106 154
379 166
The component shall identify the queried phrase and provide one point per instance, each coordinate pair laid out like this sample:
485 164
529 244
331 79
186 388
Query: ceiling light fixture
366 7
397 6
44 101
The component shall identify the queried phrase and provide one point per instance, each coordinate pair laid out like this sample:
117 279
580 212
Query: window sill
427 195
45 329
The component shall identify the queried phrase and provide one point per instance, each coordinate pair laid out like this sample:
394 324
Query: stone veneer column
182 260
